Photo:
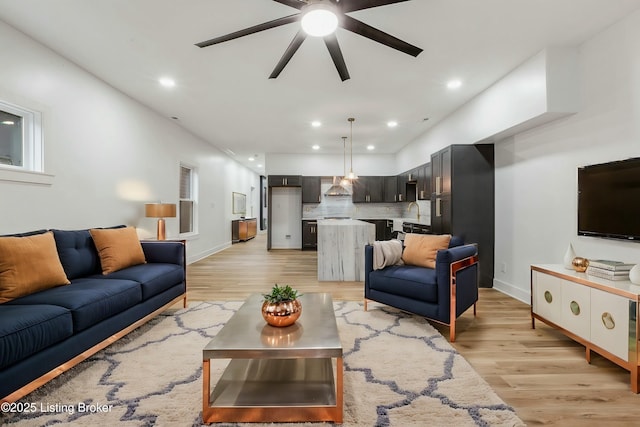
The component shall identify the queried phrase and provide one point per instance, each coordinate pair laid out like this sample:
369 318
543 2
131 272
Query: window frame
32 169
32 138
193 199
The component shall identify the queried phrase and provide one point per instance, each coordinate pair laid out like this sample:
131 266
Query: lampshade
160 210
319 20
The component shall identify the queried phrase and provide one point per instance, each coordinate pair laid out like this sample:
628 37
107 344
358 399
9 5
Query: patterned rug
399 371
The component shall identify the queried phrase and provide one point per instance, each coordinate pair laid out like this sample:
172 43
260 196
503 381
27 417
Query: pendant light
344 180
351 175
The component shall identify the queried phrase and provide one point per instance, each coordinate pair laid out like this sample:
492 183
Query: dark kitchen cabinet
423 186
384 228
390 190
463 199
310 234
368 189
406 187
285 180
311 192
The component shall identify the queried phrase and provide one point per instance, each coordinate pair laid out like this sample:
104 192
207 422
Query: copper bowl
281 313
580 264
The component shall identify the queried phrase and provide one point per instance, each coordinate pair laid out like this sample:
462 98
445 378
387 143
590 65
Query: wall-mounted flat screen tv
609 200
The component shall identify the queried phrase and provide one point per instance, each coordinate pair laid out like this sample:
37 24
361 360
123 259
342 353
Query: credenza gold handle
575 308
607 320
548 297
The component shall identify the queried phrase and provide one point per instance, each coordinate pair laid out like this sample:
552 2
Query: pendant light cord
351 174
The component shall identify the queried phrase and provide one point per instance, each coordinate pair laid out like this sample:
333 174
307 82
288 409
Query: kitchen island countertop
341 248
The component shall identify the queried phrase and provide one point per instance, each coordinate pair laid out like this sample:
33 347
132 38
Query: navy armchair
425 291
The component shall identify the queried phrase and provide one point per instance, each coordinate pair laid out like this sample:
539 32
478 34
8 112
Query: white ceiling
223 93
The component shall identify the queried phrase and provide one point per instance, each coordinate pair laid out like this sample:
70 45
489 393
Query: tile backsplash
342 206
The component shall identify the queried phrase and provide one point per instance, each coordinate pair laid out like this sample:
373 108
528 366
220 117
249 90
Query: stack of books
606 269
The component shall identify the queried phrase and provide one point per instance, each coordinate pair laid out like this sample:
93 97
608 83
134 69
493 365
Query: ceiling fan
339 10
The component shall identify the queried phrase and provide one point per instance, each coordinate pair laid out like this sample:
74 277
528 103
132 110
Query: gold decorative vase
580 264
281 314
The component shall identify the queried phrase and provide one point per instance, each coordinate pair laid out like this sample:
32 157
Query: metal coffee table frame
276 374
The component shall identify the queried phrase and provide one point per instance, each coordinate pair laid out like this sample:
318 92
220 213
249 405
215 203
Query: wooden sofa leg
452 331
365 304
474 309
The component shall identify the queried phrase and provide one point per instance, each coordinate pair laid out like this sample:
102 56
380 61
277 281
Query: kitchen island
341 249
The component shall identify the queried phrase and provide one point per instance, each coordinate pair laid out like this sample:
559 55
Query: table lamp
160 211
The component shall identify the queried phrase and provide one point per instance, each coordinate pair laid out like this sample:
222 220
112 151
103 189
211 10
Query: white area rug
399 371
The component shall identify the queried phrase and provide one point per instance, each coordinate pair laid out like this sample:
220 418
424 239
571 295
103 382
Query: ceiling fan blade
336 54
293 3
353 5
288 54
256 28
359 27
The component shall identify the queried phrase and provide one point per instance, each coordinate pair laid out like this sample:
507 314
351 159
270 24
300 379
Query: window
20 138
187 199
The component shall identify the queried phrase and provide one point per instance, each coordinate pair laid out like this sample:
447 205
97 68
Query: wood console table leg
206 390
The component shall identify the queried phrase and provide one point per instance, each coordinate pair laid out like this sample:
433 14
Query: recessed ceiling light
371 147
316 147
8 122
316 124
392 123
167 82
258 166
251 159
454 84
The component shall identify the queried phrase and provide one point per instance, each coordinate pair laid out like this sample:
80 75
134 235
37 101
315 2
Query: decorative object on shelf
610 270
160 211
281 307
580 264
634 274
568 257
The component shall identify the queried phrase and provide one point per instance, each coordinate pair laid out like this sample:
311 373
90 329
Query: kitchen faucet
417 206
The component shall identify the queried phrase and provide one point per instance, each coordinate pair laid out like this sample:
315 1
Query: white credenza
598 313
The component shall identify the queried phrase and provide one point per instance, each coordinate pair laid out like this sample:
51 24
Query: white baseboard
197 257
512 291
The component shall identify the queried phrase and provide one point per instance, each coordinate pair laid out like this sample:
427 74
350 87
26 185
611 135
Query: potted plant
281 307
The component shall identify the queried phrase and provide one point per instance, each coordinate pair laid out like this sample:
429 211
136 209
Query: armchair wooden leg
365 304
452 331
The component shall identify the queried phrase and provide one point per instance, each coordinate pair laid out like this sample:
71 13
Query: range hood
337 190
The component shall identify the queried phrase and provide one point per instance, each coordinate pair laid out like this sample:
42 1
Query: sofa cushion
27 329
29 264
77 252
90 300
421 249
408 281
118 248
154 278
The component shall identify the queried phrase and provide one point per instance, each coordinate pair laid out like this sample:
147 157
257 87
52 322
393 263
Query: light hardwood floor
539 372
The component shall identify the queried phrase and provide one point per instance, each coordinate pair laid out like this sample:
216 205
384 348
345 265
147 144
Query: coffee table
290 374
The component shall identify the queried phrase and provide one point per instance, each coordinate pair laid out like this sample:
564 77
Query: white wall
108 155
330 165
536 171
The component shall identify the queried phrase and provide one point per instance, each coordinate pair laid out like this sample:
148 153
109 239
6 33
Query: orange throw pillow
421 249
118 248
29 264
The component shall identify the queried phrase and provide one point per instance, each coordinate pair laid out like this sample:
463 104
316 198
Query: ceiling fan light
319 20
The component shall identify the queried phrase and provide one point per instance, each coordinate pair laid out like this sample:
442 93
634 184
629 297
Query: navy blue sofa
425 291
48 332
